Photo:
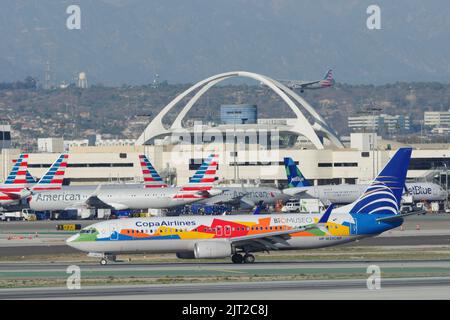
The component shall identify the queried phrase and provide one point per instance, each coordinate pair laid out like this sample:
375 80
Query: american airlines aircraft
300 187
121 197
237 236
326 82
15 186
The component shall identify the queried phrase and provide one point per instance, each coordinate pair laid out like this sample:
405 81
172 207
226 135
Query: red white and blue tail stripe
202 181
53 178
19 174
328 80
18 179
151 177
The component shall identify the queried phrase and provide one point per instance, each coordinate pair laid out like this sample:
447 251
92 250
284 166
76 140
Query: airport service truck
303 206
24 214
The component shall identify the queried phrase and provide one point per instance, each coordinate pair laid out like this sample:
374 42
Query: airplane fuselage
182 234
116 197
341 194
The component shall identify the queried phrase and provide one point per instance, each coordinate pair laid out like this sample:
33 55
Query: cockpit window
87 231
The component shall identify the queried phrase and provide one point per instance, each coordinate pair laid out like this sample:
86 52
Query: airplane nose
72 239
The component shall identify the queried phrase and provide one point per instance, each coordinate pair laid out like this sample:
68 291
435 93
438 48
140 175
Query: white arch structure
302 126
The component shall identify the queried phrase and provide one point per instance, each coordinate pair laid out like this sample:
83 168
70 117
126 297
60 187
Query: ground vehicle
24 214
303 205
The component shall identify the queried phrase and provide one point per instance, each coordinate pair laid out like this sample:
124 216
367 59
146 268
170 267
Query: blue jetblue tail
384 194
295 177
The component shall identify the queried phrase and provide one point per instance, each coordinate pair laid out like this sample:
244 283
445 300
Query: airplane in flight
121 197
300 187
238 236
326 82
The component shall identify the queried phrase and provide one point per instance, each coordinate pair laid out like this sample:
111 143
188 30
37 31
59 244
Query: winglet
326 215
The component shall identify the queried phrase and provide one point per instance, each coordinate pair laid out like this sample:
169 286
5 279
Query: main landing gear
247 258
104 261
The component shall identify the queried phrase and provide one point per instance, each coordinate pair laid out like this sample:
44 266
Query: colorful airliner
237 236
121 197
300 187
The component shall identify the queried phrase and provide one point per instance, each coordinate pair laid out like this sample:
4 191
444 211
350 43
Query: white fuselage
347 193
116 197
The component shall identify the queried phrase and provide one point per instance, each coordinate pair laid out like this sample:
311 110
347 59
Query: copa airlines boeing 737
374 212
120 197
300 187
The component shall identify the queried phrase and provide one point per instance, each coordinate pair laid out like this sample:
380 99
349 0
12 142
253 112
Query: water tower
82 80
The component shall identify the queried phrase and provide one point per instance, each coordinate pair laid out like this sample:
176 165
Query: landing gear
104 261
237 258
247 258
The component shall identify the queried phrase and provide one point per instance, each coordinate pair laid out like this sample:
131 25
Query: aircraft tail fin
202 181
151 177
19 173
294 175
384 193
329 75
53 178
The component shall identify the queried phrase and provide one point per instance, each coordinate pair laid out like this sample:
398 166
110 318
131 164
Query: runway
32 238
336 280
407 288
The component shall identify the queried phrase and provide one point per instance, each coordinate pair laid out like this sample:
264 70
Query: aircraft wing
223 199
400 216
267 241
296 191
93 201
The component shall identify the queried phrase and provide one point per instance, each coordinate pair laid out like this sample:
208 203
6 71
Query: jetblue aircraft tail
384 193
202 181
294 175
53 178
151 177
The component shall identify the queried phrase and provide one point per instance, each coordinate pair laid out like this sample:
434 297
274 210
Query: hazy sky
128 41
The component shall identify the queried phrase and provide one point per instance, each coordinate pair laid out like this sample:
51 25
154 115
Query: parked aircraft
300 187
19 182
121 197
237 195
374 212
326 82
14 187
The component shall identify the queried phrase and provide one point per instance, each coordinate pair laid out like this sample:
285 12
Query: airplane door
219 231
227 231
114 235
353 228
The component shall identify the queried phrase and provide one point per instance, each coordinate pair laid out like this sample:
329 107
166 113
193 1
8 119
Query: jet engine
186 255
212 249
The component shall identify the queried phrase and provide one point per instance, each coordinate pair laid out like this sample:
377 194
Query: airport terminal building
250 152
